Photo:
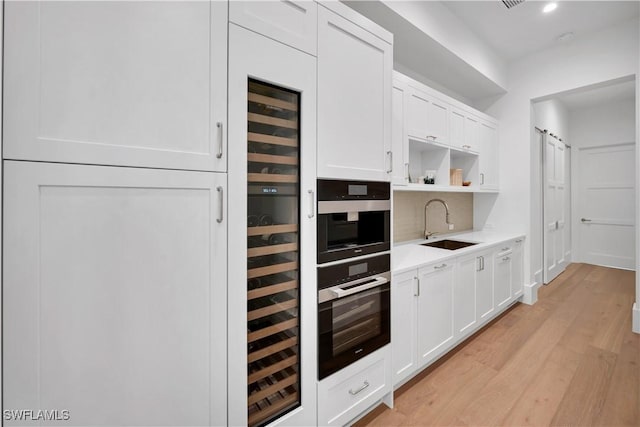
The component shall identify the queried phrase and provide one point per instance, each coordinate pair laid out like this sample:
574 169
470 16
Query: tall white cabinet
115 277
116 83
115 293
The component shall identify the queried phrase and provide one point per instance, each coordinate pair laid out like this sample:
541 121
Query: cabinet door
115 292
488 156
472 134
403 325
502 280
427 117
435 311
116 83
457 123
399 137
273 321
517 271
484 288
292 22
354 101
464 295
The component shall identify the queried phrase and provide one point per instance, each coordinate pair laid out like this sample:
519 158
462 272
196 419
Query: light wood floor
570 359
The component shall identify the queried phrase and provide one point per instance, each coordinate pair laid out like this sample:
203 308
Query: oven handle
341 293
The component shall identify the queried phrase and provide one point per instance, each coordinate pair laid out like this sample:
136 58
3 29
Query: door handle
585 220
221 204
312 201
417 279
438 267
220 140
406 176
481 179
354 392
390 155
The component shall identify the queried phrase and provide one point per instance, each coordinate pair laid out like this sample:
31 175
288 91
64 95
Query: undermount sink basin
451 245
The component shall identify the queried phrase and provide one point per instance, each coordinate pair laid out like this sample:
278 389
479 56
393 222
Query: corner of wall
635 327
530 295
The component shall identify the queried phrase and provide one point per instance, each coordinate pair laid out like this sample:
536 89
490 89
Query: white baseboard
636 318
530 295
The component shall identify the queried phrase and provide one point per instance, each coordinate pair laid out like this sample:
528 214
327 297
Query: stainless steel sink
451 245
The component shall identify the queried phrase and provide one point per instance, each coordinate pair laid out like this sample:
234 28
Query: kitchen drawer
346 394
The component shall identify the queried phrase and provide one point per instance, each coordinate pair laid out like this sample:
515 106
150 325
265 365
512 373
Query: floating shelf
442 188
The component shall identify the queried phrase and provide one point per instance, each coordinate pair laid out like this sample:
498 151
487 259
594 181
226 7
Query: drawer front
341 401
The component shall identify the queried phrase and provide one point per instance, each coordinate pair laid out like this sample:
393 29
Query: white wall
552 115
447 29
599 57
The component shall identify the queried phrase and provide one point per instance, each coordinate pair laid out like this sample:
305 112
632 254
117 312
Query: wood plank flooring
570 359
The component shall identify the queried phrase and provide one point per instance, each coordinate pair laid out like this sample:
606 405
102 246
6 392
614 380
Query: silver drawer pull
312 204
519 241
466 146
438 267
506 258
431 137
354 392
506 249
220 204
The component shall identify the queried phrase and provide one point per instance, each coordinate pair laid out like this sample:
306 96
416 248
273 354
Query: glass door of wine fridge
273 244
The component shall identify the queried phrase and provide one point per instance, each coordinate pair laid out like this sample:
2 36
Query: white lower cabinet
485 306
404 324
347 393
435 310
464 294
114 288
517 268
502 278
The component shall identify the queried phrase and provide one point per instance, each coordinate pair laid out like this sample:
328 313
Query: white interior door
606 205
554 208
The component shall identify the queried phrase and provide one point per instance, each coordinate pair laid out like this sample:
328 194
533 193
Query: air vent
512 3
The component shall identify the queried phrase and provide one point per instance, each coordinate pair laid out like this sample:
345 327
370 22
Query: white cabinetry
488 141
404 323
517 269
502 278
292 22
354 97
427 117
457 128
115 287
116 83
464 294
485 306
347 393
399 137
435 310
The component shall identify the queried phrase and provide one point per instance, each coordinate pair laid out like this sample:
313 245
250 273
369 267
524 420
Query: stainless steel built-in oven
353 311
353 219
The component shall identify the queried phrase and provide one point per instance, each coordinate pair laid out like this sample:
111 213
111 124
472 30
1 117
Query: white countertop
411 255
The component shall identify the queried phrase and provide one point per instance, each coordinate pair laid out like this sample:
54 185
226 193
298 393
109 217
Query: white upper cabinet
457 128
291 22
488 141
472 133
354 97
116 83
115 288
427 117
399 137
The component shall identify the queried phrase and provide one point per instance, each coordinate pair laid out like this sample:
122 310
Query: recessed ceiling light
550 7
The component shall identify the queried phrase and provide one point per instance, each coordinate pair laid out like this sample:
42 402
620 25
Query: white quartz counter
411 255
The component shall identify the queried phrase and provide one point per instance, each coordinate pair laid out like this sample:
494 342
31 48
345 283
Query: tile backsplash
408 213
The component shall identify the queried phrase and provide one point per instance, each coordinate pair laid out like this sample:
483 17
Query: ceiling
598 95
524 29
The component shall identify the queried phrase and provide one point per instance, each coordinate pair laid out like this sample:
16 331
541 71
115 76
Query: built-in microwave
354 218
354 300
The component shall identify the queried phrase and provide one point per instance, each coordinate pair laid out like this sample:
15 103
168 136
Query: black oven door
353 321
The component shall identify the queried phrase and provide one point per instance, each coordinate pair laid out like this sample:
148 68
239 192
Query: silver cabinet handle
220 140
482 262
519 241
506 258
431 137
417 279
220 191
481 179
438 267
585 220
406 175
468 147
479 267
506 249
354 392
312 204
390 155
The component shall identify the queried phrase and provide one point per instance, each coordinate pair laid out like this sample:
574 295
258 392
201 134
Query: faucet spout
427 234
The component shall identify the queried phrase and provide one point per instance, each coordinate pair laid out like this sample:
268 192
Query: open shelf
441 188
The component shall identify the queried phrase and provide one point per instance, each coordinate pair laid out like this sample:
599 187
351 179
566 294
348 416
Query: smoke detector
512 3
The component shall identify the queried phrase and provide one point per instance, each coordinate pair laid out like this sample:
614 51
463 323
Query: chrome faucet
428 234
